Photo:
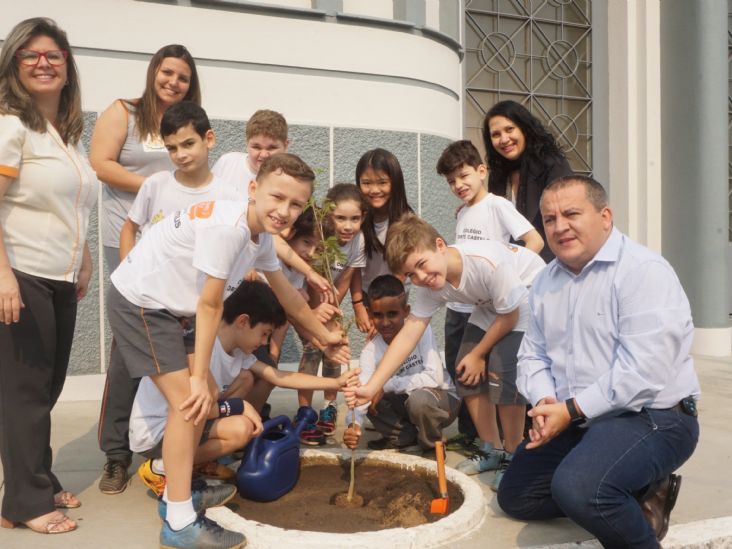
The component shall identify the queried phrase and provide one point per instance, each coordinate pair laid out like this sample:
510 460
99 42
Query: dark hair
341 192
180 115
594 190
15 99
384 161
257 300
288 163
456 155
540 144
304 225
146 107
386 286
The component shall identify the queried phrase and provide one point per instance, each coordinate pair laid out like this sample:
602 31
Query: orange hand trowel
439 505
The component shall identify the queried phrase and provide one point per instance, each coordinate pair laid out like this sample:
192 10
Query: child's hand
363 322
320 285
352 435
250 412
471 369
356 396
339 352
375 402
349 379
325 311
200 400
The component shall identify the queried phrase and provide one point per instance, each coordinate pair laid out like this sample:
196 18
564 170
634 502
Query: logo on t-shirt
412 365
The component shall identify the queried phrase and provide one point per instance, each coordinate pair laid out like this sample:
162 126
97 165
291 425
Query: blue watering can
271 463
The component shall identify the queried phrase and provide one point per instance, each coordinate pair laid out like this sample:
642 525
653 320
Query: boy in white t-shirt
483 216
266 134
249 317
188 139
184 265
419 400
165 192
492 276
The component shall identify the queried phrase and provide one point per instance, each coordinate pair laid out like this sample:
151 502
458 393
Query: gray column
695 151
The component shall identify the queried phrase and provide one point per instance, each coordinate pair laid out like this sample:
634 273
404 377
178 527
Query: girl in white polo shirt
47 190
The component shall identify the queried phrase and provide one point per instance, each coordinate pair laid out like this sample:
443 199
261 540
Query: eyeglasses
30 58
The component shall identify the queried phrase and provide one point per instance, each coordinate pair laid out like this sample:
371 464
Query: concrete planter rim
449 529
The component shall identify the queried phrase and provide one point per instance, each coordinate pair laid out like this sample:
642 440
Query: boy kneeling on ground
419 400
250 316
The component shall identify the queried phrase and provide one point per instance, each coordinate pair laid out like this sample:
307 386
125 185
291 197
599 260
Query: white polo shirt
44 213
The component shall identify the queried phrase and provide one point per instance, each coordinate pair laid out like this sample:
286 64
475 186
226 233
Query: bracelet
357 302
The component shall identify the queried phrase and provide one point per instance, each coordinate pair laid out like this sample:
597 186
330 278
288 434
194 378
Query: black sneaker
114 477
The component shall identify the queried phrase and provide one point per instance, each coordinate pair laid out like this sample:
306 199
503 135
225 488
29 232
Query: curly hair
540 144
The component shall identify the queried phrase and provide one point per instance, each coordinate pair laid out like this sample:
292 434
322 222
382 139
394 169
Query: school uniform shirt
493 218
234 168
166 268
150 409
295 278
354 255
376 264
44 213
162 194
423 368
495 279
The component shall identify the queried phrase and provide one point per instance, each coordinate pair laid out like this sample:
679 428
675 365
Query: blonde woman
47 190
126 148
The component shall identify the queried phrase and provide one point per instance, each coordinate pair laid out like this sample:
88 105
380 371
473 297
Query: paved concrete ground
129 520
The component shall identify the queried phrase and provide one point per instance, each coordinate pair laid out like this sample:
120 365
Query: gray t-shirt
140 157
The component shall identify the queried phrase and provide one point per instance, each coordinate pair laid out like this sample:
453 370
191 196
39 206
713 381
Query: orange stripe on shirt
9 171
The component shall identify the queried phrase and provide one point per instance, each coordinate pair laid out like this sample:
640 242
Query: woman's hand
84 275
10 301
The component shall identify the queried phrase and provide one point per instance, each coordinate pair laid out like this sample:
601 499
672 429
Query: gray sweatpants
418 417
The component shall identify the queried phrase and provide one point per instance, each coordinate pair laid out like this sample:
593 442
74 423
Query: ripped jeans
593 475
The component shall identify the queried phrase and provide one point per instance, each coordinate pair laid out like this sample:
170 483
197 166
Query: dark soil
393 497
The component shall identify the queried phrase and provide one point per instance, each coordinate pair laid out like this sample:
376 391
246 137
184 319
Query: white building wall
313 71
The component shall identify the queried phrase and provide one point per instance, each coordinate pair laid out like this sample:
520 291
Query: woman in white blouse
47 190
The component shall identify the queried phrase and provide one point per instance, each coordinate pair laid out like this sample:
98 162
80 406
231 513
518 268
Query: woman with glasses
126 148
47 190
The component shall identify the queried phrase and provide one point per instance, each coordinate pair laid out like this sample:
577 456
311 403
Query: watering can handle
266 426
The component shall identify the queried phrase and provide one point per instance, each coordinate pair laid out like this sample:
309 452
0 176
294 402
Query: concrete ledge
702 534
715 342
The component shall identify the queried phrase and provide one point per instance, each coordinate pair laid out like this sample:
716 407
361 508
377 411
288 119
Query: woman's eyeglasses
30 58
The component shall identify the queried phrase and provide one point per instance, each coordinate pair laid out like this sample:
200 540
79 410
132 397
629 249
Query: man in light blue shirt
606 364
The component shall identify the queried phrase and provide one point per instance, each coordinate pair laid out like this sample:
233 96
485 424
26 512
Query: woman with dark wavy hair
47 191
523 158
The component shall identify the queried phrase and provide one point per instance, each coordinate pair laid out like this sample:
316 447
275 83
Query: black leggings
34 357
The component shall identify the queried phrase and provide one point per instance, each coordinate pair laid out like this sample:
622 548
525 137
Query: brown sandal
66 500
51 523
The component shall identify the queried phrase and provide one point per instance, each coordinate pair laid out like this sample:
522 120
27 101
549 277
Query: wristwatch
574 414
